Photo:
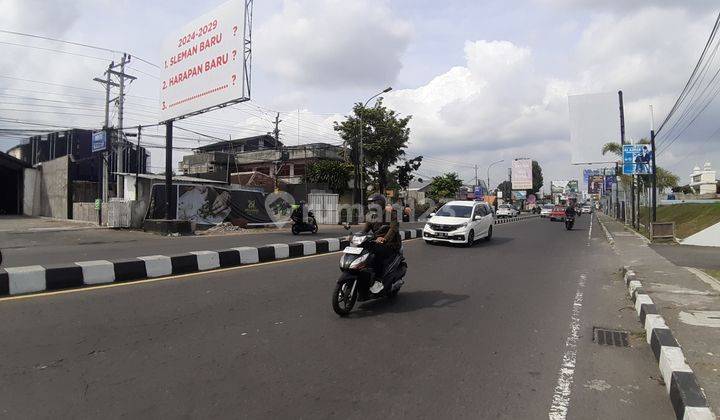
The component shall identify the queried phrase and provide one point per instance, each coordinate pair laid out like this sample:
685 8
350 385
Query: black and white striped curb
502 220
41 278
687 398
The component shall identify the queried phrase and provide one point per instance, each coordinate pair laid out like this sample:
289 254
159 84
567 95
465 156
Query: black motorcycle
569 222
300 225
357 277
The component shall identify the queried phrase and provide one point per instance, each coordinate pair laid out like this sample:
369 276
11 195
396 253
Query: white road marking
590 230
561 397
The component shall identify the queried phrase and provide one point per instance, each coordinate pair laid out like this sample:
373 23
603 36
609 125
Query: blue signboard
637 159
479 193
99 141
609 181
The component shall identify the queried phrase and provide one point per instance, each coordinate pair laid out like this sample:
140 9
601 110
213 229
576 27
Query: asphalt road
56 247
479 332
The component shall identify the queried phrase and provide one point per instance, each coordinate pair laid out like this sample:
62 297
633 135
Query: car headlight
463 225
359 261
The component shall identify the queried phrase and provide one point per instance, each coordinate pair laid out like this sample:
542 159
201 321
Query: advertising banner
595 185
522 174
208 205
479 192
519 195
558 187
637 159
203 63
594 121
609 181
573 187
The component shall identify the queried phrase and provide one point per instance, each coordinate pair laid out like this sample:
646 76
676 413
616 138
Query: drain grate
607 337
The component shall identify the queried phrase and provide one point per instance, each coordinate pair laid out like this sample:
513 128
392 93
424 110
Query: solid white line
561 397
590 230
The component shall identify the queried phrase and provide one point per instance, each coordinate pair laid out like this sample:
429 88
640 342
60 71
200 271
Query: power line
47 38
684 92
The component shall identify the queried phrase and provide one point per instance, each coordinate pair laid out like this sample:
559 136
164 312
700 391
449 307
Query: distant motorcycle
569 222
357 275
300 225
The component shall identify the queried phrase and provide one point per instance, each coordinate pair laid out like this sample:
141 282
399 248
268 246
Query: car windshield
548 206
454 211
504 206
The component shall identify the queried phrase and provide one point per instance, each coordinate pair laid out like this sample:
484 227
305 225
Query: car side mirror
432 214
477 217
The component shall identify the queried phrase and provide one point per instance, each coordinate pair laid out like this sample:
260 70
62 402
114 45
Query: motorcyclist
387 243
298 214
570 210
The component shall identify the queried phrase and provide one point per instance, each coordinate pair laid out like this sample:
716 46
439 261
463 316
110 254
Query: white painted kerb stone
157 265
26 279
309 247
248 255
207 260
97 272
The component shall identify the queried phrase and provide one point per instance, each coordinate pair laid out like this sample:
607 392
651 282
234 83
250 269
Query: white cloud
332 43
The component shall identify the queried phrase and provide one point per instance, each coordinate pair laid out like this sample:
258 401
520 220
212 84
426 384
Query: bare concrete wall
54 188
31 192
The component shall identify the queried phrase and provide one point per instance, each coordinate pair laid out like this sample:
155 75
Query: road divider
45 278
39 278
687 398
500 221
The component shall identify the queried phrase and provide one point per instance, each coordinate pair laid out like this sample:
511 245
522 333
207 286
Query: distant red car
557 213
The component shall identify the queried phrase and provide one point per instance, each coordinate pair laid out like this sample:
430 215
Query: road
57 247
479 332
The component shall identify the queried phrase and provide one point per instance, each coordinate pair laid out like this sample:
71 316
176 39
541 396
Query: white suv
460 222
506 210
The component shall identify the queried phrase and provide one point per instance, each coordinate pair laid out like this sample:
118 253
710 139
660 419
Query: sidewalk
690 304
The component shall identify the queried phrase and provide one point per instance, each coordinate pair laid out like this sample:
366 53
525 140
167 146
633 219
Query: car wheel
470 238
489 234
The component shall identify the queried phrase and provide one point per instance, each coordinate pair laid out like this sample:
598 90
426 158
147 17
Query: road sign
203 63
99 141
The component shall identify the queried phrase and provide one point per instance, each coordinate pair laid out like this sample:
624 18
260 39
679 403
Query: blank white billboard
203 63
594 121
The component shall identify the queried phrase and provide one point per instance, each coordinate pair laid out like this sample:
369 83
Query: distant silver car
586 209
506 210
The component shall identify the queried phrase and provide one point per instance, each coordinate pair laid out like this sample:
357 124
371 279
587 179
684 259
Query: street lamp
488 171
362 148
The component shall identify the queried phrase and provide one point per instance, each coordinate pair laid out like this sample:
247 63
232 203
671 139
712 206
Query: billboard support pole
653 178
168 169
622 143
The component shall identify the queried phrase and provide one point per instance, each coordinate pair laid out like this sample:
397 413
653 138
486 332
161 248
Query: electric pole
276 134
120 144
106 127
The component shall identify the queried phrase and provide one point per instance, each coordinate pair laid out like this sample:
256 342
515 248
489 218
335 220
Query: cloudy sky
483 80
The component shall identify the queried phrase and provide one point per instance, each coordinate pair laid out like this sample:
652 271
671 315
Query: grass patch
714 273
689 218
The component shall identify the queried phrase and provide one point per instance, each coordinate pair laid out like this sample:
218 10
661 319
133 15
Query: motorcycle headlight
359 261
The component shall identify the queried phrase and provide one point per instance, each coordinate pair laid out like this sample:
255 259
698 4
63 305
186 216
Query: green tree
385 136
537 177
444 186
405 171
506 188
336 174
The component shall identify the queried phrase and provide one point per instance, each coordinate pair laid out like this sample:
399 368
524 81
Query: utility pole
653 176
137 165
477 182
120 144
276 134
106 127
622 144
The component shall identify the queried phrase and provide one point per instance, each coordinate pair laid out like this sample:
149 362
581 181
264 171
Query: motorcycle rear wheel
344 298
